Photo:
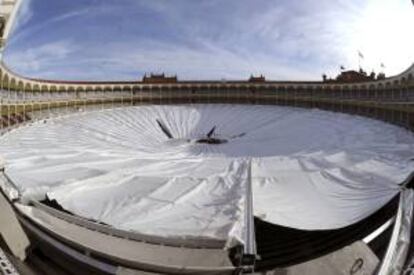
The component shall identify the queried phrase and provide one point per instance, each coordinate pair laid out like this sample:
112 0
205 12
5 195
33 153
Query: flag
342 67
382 64
360 54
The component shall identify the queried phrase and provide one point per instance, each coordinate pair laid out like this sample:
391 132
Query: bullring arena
162 176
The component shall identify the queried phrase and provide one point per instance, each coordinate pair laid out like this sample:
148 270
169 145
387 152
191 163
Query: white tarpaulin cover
310 169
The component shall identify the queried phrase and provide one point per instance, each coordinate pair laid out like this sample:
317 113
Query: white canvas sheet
310 169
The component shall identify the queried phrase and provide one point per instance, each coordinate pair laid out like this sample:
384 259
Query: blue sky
209 39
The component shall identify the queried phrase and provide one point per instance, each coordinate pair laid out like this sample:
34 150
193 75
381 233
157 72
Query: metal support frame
250 251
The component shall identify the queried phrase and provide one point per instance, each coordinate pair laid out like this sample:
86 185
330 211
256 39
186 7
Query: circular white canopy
308 169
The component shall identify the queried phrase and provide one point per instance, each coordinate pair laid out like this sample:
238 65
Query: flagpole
383 66
360 56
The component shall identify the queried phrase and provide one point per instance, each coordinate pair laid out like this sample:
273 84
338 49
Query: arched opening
5 82
410 80
70 90
36 92
336 91
28 88
13 85
363 92
44 89
60 92
80 93
396 82
354 91
36 88
345 91
371 91
62 89
126 89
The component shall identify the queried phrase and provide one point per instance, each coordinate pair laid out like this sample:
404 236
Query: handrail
397 251
202 243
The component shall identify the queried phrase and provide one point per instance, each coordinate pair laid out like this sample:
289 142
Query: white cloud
25 13
38 60
285 40
383 33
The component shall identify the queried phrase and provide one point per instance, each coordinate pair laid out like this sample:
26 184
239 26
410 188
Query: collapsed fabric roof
308 169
